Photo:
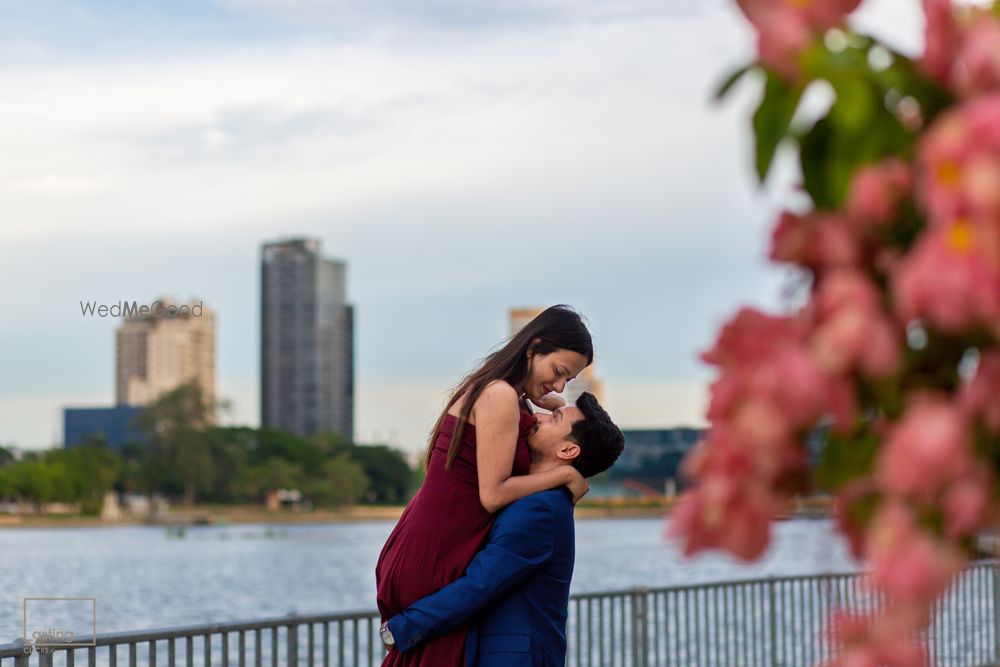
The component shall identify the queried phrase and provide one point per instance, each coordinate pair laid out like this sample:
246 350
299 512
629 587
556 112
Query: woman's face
550 372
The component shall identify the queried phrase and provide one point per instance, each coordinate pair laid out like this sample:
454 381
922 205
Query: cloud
466 16
463 157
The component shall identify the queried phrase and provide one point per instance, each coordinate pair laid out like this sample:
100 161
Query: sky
462 158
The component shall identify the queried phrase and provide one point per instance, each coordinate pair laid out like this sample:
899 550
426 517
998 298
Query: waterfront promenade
774 621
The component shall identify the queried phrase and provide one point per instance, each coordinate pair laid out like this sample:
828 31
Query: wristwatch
387 638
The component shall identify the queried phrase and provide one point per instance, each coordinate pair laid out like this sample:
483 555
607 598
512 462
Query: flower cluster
894 358
786 27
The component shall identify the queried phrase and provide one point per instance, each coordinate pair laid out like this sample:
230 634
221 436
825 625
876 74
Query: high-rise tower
307 341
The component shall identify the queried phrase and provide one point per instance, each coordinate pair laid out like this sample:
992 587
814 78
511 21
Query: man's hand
550 402
578 484
387 639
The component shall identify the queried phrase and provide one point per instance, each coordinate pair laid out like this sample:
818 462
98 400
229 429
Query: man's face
550 439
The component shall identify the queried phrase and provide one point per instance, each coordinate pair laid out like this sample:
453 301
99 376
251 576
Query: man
519 581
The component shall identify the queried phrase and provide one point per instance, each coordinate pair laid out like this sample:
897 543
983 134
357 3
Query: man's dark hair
600 440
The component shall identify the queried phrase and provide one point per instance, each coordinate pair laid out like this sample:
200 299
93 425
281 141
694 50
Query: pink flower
817 240
844 513
951 277
724 512
967 505
877 191
978 399
940 39
767 372
875 639
926 451
959 162
786 27
911 566
962 50
782 41
842 402
853 329
750 337
977 66
817 14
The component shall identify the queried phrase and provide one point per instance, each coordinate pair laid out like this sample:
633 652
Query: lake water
144 577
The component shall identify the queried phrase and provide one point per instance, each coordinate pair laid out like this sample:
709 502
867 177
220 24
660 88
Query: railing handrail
15 648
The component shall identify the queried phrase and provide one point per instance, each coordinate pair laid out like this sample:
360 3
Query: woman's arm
497 420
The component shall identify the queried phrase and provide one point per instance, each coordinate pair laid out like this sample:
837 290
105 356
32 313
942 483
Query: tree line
189 460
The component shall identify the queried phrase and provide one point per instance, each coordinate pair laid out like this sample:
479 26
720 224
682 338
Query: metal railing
772 622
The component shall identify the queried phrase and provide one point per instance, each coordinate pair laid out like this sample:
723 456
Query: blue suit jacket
519 582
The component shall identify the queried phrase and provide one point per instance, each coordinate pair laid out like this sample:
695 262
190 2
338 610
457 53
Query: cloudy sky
462 157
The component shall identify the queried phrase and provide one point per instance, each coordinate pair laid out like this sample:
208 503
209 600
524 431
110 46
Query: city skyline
462 159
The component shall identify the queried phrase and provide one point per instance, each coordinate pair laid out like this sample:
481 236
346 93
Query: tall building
159 350
586 381
307 341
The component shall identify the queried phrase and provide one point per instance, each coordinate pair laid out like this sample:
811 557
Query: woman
477 463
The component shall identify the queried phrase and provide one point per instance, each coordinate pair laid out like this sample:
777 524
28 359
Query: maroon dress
436 538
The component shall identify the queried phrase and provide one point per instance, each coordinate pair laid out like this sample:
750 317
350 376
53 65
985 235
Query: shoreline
227 515
241 515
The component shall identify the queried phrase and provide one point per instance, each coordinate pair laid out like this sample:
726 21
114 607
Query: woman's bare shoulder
497 396
499 399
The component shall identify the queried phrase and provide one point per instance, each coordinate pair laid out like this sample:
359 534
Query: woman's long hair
557 328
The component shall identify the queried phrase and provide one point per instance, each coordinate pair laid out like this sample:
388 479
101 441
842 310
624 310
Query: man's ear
568 450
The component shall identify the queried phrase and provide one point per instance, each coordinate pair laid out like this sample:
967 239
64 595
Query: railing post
640 627
22 659
996 611
292 657
772 621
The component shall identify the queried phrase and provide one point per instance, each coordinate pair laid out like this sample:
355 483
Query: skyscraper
586 381
307 341
162 349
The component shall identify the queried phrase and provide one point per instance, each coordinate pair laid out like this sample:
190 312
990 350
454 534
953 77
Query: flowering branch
895 356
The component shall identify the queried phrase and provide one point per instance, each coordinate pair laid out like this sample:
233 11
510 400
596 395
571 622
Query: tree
93 470
255 482
273 443
176 423
342 482
389 474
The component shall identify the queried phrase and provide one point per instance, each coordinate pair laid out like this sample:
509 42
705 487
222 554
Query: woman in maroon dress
477 463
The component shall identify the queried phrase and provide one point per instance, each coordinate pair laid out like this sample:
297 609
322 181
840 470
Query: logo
47 623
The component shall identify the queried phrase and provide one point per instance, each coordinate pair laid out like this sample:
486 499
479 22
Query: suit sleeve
521 541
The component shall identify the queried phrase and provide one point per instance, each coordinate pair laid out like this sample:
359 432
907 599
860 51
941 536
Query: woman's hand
578 484
550 402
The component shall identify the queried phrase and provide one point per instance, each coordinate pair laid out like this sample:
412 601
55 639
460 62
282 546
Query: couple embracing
478 569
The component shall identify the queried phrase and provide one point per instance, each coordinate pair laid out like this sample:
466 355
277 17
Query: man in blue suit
518 584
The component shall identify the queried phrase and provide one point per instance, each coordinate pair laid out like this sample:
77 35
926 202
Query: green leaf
771 120
846 458
857 103
731 81
815 153
858 130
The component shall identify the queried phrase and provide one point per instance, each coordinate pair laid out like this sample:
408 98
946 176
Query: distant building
116 426
652 457
163 349
307 341
650 462
586 381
